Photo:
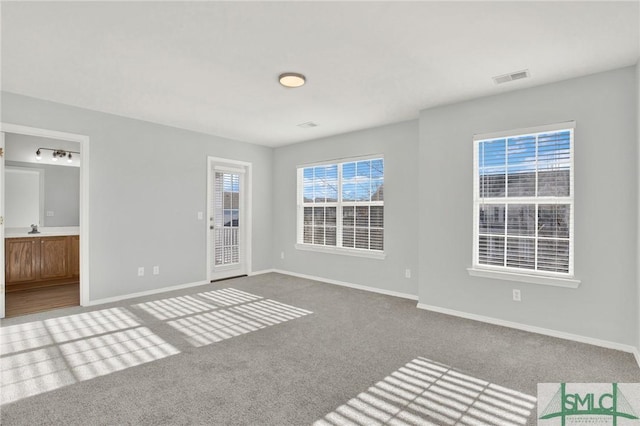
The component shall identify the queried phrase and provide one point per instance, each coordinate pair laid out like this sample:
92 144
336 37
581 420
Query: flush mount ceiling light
292 79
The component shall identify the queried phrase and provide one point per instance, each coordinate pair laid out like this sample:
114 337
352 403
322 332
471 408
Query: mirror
41 192
24 197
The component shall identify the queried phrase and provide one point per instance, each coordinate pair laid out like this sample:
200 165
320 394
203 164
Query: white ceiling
213 66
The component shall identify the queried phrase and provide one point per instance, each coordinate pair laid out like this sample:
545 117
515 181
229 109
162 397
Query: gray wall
606 206
638 170
61 192
147 183
398 144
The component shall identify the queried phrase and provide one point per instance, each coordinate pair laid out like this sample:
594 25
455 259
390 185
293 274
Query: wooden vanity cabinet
20 262
41 261
54 258
74 256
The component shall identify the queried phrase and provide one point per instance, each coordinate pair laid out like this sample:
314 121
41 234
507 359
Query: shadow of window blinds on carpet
214 316
424 392
41 356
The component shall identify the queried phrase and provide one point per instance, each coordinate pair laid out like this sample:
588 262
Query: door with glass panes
227 227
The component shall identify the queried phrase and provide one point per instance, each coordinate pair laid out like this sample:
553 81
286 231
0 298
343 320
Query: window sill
526 278
342 251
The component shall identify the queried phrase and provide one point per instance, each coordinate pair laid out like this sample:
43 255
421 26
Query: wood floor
41 299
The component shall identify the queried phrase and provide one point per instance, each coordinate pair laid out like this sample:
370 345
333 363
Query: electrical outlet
156 270
407 273
200 215
281 255
50 213
141 271
517 297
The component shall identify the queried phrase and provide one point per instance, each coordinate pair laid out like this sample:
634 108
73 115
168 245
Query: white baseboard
346 284
553 333
533 329
145 293
636 353
264 271
161 290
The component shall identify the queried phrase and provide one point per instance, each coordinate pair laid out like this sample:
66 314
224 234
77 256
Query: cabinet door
54 257
20 259
74 256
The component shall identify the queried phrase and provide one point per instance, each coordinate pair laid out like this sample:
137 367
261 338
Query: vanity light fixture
292 79
57 153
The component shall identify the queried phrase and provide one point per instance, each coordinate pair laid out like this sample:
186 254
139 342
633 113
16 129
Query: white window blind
342 205
523 201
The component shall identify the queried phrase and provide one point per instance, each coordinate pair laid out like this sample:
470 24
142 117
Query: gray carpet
279 350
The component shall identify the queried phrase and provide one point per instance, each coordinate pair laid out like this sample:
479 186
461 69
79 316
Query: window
523 201
341 206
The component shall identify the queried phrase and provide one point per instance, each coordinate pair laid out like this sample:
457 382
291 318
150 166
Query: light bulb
55 157
38 155
69 158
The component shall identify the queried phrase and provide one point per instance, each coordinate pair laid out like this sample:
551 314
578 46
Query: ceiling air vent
307 125
518 75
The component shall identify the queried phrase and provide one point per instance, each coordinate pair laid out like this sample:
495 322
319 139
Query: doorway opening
44 226
229 218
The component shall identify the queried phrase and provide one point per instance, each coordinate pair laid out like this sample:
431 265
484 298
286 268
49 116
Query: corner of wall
638 209
274 242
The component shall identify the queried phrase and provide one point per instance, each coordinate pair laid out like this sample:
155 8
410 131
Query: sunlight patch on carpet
41 356
175 307
216 326
424 392
214 316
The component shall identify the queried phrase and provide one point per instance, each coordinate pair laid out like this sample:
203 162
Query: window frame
339 204
562 279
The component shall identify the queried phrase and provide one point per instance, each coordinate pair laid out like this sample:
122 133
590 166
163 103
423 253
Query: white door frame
2 179
84 199
246 239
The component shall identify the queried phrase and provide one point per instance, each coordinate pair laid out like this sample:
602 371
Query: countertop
56 231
